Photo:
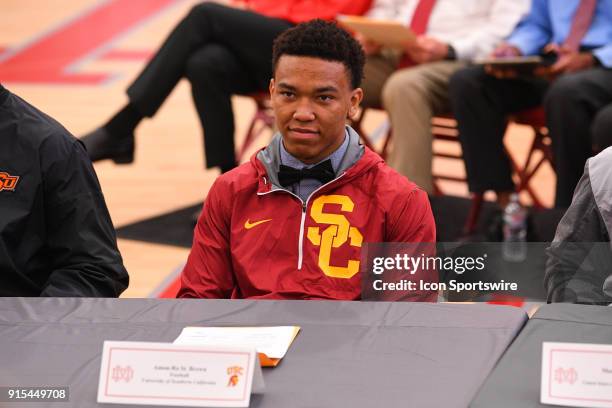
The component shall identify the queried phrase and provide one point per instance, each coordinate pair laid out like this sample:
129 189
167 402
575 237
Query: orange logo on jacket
8 182
337 234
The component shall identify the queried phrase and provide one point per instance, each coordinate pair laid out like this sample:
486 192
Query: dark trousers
481 103
222 51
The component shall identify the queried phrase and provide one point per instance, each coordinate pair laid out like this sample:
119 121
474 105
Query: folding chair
368 140
444 128
263 119
523 174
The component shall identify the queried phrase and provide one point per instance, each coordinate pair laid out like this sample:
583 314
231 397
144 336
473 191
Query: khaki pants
411 97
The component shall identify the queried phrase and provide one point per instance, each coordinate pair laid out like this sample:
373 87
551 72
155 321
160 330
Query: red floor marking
128 55
47 59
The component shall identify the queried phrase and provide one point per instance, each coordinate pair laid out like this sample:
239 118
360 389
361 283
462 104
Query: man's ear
356 98
271 87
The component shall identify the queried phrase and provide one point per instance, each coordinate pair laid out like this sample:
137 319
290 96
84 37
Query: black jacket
56 235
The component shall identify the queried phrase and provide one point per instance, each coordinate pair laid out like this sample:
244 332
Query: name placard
576 375
271 343
168 374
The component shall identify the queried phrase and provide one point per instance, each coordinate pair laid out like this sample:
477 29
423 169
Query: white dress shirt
472 27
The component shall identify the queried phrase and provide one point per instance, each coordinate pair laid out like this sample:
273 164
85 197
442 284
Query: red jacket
256 240
297 11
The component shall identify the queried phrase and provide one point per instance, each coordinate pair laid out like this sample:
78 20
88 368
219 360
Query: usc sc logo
334 236
8 182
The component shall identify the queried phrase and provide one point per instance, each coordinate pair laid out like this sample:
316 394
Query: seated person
579 267
222 51
578 33
291 223
56 236
413 86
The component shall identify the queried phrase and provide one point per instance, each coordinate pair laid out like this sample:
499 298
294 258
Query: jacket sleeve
208 272
579 257
410 221
81 242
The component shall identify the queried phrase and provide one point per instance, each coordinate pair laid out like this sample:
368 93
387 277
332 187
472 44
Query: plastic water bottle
515 231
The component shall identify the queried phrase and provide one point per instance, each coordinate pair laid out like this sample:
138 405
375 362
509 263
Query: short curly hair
321 39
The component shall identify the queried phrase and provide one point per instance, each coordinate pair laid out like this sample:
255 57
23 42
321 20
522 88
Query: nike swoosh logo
249 225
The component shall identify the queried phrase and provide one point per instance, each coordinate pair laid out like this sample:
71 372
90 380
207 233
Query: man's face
312 98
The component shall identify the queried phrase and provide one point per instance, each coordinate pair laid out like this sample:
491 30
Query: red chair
357 124
541 143
523 174
263 119
444 128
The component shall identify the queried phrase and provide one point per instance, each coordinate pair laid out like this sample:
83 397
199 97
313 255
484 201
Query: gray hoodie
579 267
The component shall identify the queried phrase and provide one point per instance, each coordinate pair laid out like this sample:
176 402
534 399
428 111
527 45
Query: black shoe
102 145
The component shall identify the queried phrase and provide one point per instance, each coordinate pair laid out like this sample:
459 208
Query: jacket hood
600 176
357 160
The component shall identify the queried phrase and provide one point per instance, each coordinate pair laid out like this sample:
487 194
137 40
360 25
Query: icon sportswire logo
8 182
248 224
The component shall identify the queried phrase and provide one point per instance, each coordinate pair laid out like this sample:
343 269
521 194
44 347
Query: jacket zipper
301 240
303 219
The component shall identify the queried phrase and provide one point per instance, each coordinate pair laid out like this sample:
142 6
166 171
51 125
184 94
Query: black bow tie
324 172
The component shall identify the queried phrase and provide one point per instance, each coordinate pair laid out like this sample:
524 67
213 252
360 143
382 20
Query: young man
56 236
291 223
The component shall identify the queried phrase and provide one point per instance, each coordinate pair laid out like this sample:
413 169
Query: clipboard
512 62
522 65
385 32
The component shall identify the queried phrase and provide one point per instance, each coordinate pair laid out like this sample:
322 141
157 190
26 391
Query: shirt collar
336 157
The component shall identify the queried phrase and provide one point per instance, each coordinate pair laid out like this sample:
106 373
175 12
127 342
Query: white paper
271 341
576 375
168 374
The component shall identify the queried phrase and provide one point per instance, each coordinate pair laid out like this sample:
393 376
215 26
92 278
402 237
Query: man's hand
573 61
426 49
567 61
504 50
369 47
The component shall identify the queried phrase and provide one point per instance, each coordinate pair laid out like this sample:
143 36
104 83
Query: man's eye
286 94
326 98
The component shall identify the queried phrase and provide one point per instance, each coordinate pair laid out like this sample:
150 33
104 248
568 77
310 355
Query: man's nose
304 112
